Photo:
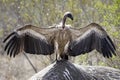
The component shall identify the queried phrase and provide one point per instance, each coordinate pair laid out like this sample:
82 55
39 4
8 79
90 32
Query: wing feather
89 38
12 49
30 39
10 35
9 46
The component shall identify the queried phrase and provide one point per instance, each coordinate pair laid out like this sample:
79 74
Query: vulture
61 39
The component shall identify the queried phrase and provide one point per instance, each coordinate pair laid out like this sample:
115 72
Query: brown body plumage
60 39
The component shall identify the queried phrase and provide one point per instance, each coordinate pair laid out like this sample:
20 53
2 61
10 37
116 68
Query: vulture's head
66 15
69 15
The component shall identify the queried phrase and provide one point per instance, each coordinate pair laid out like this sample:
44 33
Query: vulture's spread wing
91 37
31 39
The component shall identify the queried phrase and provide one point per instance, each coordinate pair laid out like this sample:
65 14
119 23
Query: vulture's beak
70 16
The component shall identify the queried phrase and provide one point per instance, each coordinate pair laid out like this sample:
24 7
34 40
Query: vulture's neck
63 21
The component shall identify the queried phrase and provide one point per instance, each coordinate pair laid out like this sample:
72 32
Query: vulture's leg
56 51
64 55
56 56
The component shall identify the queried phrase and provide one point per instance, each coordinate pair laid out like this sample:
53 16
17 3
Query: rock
65 70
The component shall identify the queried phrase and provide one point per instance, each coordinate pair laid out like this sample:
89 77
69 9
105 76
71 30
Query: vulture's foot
64 57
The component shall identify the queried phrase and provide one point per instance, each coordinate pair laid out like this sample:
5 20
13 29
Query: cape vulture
61 39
